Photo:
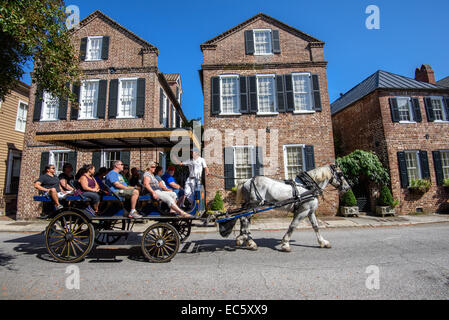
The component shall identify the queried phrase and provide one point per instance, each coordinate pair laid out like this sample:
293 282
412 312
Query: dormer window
94 45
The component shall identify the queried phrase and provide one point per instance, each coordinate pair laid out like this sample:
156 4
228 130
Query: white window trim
103 156
284 147
418 163
173 118
17 115
441 159
410 110
443 108
134 116
238 95
252 155
51 158
259 113
44 106
295 111
88 47
81 96
271 43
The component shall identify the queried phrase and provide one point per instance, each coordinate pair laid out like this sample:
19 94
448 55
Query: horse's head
338 180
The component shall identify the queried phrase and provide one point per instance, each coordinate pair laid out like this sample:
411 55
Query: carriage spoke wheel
69 237
102 238
183 227
160 242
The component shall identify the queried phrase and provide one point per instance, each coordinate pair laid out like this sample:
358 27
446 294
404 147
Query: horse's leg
323 243
245 235
297 218
242 236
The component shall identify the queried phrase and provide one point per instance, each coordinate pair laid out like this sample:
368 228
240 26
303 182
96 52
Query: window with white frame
445 163
50 107
94 46
89 99
438 109
165 110
127 98
405 109
413 166
230 102
243 163
58 159
108 158
293 160
266 94
173 116
21 119
302 91
262 41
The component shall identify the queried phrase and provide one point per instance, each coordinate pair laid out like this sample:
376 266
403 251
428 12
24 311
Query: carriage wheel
102 238
183 227
160 242
69 237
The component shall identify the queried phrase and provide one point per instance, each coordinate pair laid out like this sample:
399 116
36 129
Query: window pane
110 157
404 109
262 41
411 159
94 48
21 117
294 161
50 107
445 163
301 89
437 106
128 98
265 94
89 98
58 159
242 165
229 95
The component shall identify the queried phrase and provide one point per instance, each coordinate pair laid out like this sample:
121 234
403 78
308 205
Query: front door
13 172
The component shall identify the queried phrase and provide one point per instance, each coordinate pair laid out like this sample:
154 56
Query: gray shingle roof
380 80
443 82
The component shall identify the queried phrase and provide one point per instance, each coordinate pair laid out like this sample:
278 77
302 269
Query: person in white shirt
196 165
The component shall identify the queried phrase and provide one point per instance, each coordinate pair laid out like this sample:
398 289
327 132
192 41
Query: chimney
425 74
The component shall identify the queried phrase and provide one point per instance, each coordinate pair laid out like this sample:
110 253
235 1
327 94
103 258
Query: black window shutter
429 110
83 49
394 109
101 104
178 121
113 99
403 169
416 110
252 89
276 41
125 157
38 105
75 109
63 103
316 93
258 168
424 161
289 92
215 95
446 104
161 106
45 158
244 108
280 93
96 160
177 94
72 159
105 48
309 155
249 42
140 103
229 168
438 167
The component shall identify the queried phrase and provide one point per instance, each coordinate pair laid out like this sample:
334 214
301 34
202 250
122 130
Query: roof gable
261 16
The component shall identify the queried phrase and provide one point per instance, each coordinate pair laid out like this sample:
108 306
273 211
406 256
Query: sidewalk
363 221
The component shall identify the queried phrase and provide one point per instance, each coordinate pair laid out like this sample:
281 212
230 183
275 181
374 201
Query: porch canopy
118 138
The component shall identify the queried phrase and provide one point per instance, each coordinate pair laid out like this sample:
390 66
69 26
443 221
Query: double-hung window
266 94
50 107
405 109
127 98
58 159
230 102
302 92
293 160
21 119
243 163
108 158
89 99
94 45
413 165
445 163
439 111
262 42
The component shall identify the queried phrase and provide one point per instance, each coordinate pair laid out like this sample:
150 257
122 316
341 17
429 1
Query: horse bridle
339 177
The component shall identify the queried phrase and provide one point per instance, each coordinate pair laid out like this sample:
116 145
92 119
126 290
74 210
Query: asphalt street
364 263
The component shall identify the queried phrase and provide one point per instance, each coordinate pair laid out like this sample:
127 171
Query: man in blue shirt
115 181
170 182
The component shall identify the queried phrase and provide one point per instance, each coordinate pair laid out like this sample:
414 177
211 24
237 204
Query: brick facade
225 55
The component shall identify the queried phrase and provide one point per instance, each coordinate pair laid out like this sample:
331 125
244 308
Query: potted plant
386 203
420 186
217 203
348 204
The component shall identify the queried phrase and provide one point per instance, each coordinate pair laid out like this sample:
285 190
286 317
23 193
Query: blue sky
411 33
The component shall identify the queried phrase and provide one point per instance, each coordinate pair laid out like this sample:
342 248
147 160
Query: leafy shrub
348 199
385 198
421 185
217 203
446 182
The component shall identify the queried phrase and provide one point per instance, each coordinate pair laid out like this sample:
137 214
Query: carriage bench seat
79 198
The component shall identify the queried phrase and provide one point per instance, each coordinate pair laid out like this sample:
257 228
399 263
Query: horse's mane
320 174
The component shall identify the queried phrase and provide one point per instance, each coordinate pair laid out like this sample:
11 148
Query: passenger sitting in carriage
99 177
66 178
90 187
151 185
50 186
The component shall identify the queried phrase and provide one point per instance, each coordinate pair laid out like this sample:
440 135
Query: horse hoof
251 245
326 245
239 243
286 249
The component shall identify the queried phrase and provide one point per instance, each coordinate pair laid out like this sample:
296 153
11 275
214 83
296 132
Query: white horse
270 190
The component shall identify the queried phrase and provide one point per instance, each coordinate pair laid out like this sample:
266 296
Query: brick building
13 115
266 104
406 123
127 109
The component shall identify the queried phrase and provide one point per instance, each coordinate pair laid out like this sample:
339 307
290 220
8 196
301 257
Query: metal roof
443 82
380 80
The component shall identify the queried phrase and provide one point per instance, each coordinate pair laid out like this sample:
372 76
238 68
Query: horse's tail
239 194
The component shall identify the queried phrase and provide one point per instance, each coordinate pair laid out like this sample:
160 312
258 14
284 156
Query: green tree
35 31
217 203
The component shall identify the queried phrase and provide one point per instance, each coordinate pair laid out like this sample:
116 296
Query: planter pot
349 211
383 211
